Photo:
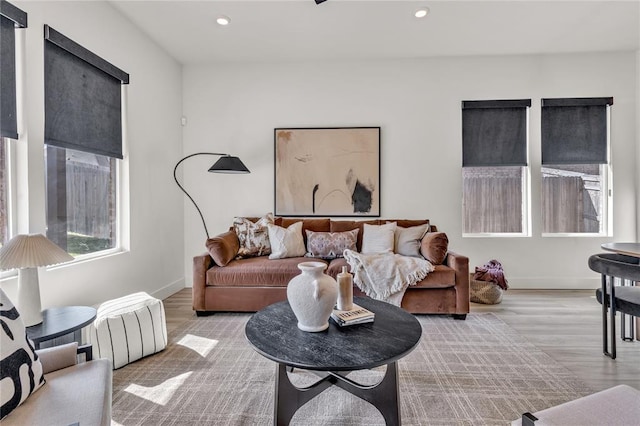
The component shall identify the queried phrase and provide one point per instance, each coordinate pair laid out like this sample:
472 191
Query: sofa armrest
201 265
58 357
460 264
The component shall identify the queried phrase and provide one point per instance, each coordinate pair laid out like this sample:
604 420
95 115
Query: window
5 227
575 183
83 143
11 18
81 200
494 167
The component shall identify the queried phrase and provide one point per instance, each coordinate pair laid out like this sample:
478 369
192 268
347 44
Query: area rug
473 372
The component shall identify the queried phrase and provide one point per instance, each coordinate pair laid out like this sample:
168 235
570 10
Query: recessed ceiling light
421 13
223 20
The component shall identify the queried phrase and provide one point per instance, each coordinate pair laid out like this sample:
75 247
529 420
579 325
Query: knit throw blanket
386 276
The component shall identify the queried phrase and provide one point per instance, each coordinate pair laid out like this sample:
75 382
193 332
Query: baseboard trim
549 283
169 289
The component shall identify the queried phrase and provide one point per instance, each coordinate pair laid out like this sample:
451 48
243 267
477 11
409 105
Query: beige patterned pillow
330 245
253 237
286 242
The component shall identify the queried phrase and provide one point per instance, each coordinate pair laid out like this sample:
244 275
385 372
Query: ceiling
300 30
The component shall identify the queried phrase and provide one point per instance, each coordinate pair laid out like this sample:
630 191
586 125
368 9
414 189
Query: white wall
235 107
638 144
153 261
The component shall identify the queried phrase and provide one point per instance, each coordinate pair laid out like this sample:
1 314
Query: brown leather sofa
250 284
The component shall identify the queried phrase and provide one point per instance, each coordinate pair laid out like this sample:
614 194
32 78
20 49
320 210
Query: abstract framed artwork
333 171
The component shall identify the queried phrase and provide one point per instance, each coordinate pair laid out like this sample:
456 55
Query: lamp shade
31 251
229 164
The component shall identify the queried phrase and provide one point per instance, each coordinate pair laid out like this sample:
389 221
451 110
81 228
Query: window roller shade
10 18
494 133
574 130
8 121
82 101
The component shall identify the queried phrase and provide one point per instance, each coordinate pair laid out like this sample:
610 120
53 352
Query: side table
60 321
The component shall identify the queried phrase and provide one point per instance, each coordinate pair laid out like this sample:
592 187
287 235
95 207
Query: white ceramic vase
312 296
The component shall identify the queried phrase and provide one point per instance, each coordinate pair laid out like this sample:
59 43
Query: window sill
89 258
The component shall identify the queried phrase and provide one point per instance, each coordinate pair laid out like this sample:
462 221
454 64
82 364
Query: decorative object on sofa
372 274
378 238
488 283
253 237
225 164
407 240
129 328
286 242
21 369
327 171
345 290
330 245
26 253
312 296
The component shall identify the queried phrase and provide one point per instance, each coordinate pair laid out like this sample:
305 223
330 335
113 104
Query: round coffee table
273 333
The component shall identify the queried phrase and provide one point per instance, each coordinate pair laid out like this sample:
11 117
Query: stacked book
356 315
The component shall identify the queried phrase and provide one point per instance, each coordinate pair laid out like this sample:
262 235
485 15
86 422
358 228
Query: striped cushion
129 328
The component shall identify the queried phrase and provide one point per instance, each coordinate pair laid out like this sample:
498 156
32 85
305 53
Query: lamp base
28 304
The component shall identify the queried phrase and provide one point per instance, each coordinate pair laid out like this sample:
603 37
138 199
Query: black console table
273 332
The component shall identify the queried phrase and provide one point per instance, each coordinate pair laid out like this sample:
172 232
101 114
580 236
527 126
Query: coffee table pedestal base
383 395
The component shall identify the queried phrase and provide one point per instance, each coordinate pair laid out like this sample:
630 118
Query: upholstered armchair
74 393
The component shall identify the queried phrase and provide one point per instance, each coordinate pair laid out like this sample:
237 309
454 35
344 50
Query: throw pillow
253 237
223 248
330 245
378 238
407 240
21 368
434 247
286 242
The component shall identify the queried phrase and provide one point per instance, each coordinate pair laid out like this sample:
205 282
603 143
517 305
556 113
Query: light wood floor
566 324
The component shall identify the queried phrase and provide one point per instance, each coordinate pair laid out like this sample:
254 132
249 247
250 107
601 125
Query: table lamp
26 253
225 164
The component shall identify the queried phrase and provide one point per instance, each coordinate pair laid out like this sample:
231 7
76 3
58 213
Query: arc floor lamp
225 164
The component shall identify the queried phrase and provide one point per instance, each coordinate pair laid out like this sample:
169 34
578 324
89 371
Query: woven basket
484 292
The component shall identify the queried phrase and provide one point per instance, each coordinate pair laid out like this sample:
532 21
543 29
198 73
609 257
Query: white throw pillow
286 242
378 238
407 240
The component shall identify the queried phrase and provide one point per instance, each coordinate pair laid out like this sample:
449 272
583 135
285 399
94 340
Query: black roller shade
10 17
494 133
82 98
574 130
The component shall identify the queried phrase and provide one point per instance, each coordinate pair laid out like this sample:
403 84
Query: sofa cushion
286 242
441 277
330 245
255 271
253 236
223 248
378 238
21 368
407 240
315 225
434 247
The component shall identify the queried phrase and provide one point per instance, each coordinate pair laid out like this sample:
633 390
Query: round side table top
60 321
630 249
273 332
